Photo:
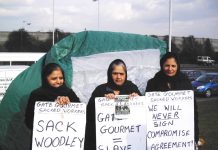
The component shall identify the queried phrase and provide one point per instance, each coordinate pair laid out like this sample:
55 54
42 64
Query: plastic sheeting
91 71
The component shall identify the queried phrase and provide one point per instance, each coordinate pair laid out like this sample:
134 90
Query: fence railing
20 57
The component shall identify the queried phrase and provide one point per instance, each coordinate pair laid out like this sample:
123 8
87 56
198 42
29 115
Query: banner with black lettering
120 123
59 127
170 120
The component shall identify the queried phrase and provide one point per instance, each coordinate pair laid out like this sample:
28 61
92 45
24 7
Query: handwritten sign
7 75
59 127
120 123
170 120
4 84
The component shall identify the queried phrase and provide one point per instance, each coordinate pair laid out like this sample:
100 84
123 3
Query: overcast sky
190 17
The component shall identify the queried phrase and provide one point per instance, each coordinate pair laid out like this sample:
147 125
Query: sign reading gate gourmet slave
118 124
59 127
170 120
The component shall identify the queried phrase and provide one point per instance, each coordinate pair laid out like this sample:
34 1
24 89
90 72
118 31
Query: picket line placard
59 127
170 120
120 123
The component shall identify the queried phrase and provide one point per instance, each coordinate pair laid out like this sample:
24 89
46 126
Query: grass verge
208 123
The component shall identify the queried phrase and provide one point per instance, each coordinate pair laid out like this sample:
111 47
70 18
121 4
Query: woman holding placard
53 89
117 84
169 78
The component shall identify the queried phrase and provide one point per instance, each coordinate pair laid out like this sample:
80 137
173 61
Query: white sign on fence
170 120
59 127
7 75
120 123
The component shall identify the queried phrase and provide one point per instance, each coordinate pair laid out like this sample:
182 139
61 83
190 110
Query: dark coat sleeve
90 135
196 127
73 97
150 86
29 114
130 88
134 89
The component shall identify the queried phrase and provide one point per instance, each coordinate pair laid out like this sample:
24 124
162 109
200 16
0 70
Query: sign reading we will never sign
59 127
120 123
170 120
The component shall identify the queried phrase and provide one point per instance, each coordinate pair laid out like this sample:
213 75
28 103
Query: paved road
200 67
202 99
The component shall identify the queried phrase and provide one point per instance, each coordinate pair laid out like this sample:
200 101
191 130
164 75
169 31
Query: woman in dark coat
117 84
53 89
170 78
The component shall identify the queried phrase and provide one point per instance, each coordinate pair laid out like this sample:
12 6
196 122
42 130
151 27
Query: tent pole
170 24
53 25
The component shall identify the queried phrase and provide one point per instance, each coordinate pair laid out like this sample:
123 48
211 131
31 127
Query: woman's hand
133 95
110 96
63 100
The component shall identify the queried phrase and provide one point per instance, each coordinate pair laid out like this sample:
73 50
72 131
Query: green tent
73 53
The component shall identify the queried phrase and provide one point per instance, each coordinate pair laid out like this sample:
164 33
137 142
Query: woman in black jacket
117 84
53 89
170 78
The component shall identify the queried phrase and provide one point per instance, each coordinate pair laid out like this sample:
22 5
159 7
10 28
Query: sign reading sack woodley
59 127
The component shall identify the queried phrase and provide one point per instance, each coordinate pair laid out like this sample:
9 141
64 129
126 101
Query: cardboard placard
120 123
59 127
170 120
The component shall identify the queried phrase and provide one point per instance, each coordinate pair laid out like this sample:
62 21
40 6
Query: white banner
91 71
59 127
170 120
7 75
120 123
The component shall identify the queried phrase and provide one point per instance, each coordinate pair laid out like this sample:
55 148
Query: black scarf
110 82
114 87
173 81
51 93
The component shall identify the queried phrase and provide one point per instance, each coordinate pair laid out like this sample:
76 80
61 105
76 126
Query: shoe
201 141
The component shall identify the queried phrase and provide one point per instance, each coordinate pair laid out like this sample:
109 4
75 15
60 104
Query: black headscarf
44 93
110 81
167 56
46 88
162 74
47 70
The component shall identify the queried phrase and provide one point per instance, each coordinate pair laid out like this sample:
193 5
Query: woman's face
55 79
170 67
118 75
